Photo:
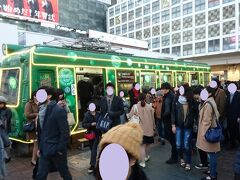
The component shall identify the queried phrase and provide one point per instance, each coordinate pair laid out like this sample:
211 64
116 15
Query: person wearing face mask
53 136
208 117
182 125
129 136
89 122
112 105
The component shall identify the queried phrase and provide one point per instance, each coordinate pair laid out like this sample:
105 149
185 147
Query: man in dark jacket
113 105
53 134
233 114
166 117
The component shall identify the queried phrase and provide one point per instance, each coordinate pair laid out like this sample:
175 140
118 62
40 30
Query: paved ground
20 169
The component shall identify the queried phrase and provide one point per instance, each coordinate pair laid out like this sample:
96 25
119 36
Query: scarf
182 100
42 112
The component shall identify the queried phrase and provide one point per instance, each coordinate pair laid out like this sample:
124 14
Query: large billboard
37 10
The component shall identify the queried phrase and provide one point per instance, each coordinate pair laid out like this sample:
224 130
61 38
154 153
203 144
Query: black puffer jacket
88 120
167 107
178 114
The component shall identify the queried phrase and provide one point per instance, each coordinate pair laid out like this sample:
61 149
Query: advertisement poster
38 10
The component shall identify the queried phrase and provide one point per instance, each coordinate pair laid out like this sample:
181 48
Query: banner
37 10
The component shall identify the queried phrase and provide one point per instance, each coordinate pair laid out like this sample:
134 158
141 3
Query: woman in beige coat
145 112
208 117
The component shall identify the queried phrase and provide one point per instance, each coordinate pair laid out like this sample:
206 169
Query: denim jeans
160 128
183 143
213 164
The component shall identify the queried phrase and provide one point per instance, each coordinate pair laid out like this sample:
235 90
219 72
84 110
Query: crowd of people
180 116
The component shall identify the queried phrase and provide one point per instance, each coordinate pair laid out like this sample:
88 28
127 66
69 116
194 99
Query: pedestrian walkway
20 168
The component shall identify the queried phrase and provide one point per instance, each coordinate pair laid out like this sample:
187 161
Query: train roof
73 52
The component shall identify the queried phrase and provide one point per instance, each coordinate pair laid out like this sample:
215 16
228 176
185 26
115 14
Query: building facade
191 29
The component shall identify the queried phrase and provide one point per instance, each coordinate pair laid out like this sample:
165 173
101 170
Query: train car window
125 79
148 80
10 85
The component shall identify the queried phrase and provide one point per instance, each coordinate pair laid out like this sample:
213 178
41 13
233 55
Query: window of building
131 35
156 42
214 15
124 18
166 40
155 6
138 3
146 1
165 15
111 22
130 26
200 19
213 3
130 4
176 12
118 30
187 36
200 33
174 2
117 10
239 42
187 49
117 20
149 43
227 1
147 33
176 50
138 12
139 35
166 51
124 28
229 43
156 30
214 30
146 9
165 4
214 45
187 8
200 48
176 25
187 22
156 18
124 7
229 12
228 27
199 5
130 15
139 24
165 28
147 21
111 12
176 38
112 31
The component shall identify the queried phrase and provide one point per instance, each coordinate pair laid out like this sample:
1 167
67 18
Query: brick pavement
20 168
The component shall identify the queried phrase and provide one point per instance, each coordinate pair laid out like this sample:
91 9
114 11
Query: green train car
25 69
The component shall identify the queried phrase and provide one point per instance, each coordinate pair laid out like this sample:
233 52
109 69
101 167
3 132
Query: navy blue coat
233 109
53 136
116 110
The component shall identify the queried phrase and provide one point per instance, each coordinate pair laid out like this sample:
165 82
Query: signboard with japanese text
37 10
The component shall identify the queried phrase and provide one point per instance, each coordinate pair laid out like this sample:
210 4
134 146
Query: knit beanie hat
128 135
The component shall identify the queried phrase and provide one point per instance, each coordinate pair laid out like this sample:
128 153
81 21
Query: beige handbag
71 119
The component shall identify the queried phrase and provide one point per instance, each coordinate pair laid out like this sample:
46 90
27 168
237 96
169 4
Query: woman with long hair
182 125
31 113
208 118
145 112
